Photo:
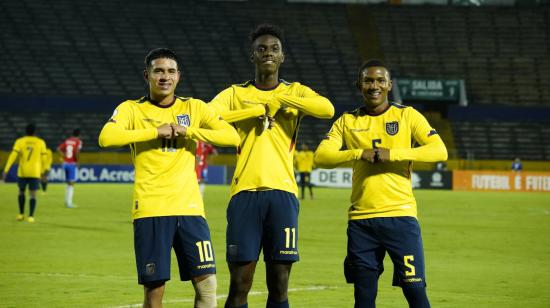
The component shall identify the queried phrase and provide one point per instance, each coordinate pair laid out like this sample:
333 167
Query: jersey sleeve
213 129
308 102
43 156
118 131
329 154
223 103
13 156
431 149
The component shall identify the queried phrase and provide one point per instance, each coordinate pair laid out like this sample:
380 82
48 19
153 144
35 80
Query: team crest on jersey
183 120
392 128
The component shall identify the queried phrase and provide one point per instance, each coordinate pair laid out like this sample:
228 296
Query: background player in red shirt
201 164
70 150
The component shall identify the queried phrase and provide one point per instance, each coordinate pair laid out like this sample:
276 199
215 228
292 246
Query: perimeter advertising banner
111 174
341 178
501 181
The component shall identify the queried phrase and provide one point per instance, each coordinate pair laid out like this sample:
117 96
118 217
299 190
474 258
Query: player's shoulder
242 85
188 100
354 113
132 103
400 106
294 85
404 110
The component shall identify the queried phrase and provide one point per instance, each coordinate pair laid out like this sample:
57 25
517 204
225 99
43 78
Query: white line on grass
67 275
253 293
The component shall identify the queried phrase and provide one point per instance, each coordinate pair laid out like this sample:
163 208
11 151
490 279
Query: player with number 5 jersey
382 140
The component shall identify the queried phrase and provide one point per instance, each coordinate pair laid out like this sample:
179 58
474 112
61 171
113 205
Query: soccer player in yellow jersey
379 139
47 166
161 130
263 211
31 151
303 160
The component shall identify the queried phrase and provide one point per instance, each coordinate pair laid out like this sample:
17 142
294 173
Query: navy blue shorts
32 182
368 241
262 219
154 238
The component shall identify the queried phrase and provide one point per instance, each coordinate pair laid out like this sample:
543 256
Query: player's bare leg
242 275
277 276
153 294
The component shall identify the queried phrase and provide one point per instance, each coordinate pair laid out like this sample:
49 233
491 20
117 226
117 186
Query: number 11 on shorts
288 243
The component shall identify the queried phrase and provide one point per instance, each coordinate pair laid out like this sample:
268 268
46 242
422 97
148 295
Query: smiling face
267 54
375 84
163 77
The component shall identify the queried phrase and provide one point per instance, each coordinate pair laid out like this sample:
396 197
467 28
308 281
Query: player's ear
390 85
282 56
146 76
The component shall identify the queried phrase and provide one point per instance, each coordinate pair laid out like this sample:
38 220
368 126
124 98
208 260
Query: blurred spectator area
501 52
89 54
94 48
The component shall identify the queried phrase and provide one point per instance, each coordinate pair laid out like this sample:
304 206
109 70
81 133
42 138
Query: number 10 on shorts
288 232
205 251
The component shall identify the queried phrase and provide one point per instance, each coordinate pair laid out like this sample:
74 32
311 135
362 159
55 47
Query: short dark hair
371 63
160 53
266 29
30 129
76 132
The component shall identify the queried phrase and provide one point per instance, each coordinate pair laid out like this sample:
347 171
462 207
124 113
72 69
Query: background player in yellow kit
263 211
31 152
161 130
303 161
379 138
46 170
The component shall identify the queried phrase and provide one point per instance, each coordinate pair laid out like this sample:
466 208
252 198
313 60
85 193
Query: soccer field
482 250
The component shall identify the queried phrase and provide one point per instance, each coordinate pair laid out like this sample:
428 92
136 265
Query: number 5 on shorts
412 270
205 251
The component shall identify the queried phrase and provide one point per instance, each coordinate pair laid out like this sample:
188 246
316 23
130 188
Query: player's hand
4 176
383 155
267 121
369 155
165 131
179 130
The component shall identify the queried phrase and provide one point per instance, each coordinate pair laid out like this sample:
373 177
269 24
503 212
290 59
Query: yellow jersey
265 156
304 161
48 160
31 151
381 189
165 179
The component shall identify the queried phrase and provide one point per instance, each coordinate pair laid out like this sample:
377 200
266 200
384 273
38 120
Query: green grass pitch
482 250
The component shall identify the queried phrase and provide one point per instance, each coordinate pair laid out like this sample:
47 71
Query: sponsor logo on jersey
392 128
183 120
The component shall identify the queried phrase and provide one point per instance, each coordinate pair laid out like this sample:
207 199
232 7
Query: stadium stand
94 49
501 52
